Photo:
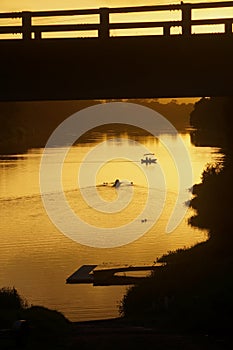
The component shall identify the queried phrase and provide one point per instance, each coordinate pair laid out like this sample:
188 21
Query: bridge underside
130 67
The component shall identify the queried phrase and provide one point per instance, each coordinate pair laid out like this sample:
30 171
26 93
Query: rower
116 183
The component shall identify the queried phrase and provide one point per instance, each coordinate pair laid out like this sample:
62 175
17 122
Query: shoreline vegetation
41 327
26 125
23 326
193 291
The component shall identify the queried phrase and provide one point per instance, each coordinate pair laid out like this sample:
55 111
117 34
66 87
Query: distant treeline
213 197
27 125
212 119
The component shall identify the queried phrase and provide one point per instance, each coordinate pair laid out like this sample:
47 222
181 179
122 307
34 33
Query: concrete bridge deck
136 67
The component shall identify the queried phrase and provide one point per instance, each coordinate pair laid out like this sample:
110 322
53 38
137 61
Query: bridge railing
104 26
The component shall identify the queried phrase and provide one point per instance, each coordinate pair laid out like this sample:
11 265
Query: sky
19 5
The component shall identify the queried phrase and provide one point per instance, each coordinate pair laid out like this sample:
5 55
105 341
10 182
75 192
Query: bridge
103 65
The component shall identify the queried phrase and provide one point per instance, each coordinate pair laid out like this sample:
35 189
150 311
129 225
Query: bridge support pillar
104 23
166 30
186 19
26 24
38 35
228 27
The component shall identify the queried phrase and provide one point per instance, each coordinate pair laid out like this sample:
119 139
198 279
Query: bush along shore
193 291
31 327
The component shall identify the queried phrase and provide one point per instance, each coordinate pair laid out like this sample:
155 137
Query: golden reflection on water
36 258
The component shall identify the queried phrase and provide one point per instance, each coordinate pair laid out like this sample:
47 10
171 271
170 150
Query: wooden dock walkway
82 275
107 277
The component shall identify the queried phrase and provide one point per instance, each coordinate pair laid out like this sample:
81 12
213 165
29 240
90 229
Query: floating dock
82 275
107 276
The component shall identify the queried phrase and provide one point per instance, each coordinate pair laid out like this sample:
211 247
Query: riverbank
51 330
124 334
117 334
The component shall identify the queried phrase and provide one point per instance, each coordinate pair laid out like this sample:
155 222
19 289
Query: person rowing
116 183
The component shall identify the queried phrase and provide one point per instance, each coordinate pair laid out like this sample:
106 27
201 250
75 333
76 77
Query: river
36 258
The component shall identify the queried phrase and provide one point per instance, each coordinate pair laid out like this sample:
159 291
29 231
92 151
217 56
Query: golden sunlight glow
152 16
66 20
212 13
136 32
72 34
108 172
208 28
33 252
123 169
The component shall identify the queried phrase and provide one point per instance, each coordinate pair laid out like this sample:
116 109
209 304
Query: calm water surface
36 258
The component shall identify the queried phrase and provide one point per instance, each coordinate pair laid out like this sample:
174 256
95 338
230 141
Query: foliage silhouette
193 291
